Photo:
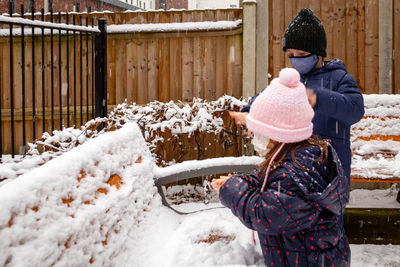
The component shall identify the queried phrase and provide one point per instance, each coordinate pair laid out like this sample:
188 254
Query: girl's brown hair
293 148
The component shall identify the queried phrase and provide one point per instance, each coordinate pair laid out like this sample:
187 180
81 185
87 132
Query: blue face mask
304 64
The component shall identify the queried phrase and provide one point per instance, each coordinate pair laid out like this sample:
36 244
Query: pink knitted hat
282 111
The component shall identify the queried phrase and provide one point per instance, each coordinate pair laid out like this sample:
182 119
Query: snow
172 27
212 4
378 198
167 239
37 23
249 1
377 158
190 165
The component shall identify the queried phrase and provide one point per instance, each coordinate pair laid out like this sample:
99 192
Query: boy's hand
312 97
239 117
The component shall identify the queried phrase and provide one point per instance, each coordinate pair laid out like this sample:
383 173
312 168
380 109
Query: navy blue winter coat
339 105
297 216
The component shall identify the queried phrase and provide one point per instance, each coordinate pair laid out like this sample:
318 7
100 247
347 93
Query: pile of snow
378 157
81 207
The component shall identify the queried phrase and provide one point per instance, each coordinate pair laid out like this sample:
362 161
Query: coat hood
325 184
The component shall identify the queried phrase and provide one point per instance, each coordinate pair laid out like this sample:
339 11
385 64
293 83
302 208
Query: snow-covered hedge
174 132
80 207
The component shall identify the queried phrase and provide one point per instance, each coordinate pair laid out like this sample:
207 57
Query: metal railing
93 38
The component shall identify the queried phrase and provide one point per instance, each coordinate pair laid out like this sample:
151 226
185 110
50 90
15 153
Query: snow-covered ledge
175 27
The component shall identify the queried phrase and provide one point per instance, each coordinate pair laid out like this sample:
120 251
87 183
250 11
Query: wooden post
262 46
385 46
249 48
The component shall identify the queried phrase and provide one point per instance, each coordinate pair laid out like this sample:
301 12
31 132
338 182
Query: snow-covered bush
174 132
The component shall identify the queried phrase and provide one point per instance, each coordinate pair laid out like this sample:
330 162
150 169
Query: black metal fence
82 35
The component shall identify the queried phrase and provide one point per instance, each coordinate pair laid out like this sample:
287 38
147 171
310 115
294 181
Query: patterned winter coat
297 215
339 105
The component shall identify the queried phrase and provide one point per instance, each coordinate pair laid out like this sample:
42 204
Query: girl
295 198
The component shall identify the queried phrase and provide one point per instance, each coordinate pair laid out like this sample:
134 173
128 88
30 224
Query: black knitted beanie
306 33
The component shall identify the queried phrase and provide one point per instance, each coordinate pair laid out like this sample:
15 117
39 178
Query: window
144 5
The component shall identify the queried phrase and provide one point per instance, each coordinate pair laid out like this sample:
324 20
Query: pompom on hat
282 112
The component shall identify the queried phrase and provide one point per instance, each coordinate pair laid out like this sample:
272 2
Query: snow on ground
216 238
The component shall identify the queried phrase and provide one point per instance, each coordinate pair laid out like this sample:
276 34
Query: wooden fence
142 67
176 65
352 28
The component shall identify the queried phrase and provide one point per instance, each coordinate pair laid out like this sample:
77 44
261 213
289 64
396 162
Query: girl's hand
217 183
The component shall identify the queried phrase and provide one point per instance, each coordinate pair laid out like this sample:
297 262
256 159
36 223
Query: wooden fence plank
164 71
208 78
220 68
277 36
229 64
339 30
112 79
351 41
237 66
371 47
315 6
360 78
187 69
396 47
121 69
290 12
327 9
142 83
152 70
131 60
175 68
197 70
385 84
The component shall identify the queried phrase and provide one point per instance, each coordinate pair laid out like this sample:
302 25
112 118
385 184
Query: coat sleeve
345 105
247 107
279 209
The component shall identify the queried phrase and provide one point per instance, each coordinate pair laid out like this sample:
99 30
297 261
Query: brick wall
60 5
177 4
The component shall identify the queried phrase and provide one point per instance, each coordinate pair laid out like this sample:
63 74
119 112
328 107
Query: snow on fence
78 208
